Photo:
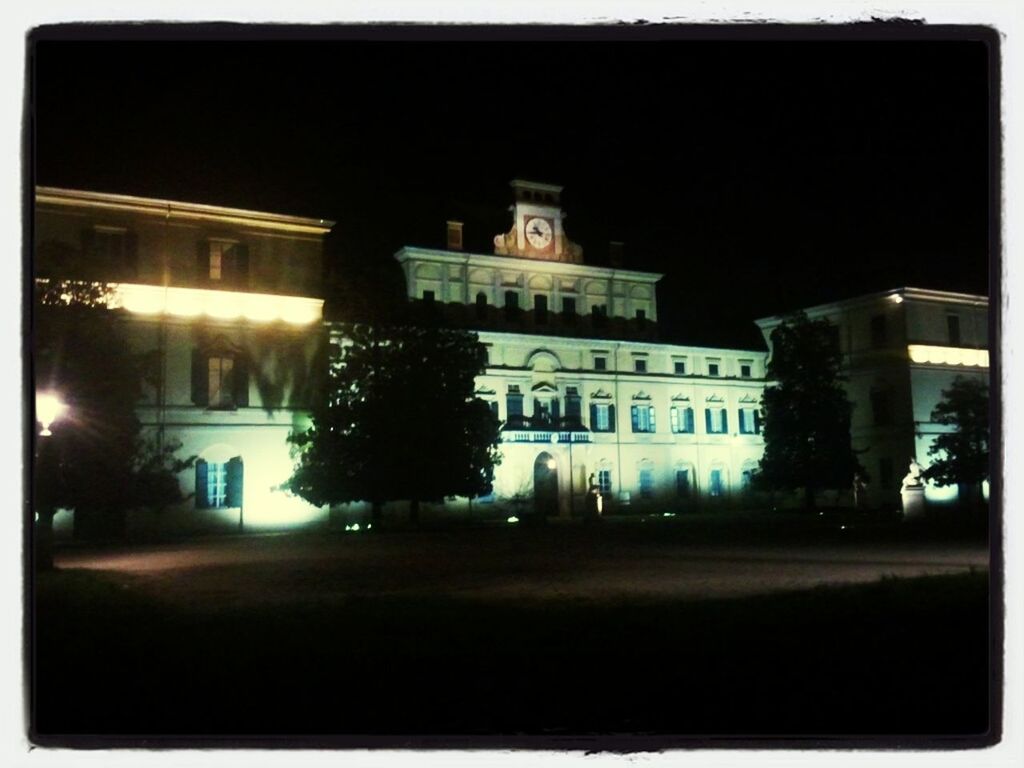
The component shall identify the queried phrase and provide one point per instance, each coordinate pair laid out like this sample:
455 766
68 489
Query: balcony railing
523 429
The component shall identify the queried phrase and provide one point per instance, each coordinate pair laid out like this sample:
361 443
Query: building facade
585 393
900 350
228 301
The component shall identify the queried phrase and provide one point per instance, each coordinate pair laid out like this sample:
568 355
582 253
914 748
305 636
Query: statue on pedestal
913 477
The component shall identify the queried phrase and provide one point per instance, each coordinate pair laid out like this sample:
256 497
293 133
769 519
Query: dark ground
564 632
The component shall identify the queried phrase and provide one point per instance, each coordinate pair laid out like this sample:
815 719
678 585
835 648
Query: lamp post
49 409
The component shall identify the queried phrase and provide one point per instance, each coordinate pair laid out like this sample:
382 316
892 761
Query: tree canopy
98 460
806 412
960 456
400 421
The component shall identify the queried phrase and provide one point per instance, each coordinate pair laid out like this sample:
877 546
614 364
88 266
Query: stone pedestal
913 502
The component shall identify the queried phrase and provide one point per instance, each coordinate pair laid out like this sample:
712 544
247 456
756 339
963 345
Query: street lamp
49 408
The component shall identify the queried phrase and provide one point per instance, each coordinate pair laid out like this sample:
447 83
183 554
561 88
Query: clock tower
537 231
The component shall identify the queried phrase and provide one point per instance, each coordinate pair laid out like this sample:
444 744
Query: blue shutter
494 409
725 422
650 411
611 418
757 422
202 496
555 410
234 482
634 416
707 420
200 377
593 416
689 420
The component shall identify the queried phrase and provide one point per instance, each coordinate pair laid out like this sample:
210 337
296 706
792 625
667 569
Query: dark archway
545 486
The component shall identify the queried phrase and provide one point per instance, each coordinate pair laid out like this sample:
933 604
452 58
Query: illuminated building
574 367
901 349
228 300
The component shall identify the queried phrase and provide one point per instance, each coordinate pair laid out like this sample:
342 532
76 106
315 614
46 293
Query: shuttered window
681 420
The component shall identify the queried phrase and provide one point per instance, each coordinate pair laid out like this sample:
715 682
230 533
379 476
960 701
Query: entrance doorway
545 486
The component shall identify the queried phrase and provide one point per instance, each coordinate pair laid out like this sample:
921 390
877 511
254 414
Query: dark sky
759 174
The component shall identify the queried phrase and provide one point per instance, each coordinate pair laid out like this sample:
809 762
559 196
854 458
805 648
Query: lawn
900 657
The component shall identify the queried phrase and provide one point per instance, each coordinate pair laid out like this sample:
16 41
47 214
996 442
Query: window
681 420
224 262
750 421
493 405
481 306
878 331
745 370
219 485
641 317
683 483
514 405
220 379
746 479
953 327
114 250
713 367
216 484
569 308
642 418
511 305
679 367
602 417
545 409
573 408
604 481
715 484
600 363
540 309
599 315
646 483
428 296
640 365
716 421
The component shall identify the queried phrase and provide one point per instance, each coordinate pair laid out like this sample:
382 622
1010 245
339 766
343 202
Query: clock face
538 232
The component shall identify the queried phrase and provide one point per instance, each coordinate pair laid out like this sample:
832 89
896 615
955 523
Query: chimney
454 235
615 254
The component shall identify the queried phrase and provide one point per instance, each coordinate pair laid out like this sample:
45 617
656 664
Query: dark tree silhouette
399 422
98 460
960 457
806 412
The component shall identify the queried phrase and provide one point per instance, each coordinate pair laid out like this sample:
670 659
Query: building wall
455 277
546 367
892 394
199 322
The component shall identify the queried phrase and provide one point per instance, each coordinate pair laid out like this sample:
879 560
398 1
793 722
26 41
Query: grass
905 657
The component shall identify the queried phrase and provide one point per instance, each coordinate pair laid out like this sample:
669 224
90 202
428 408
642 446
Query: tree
99 460
806 412
960 457
400 421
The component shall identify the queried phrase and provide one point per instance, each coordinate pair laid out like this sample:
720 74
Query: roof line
170 208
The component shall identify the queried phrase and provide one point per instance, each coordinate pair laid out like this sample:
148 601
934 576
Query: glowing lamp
49 408
552 464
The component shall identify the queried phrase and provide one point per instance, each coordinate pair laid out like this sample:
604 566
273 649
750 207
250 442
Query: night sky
759 174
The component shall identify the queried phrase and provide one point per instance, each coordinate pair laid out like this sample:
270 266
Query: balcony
522 429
